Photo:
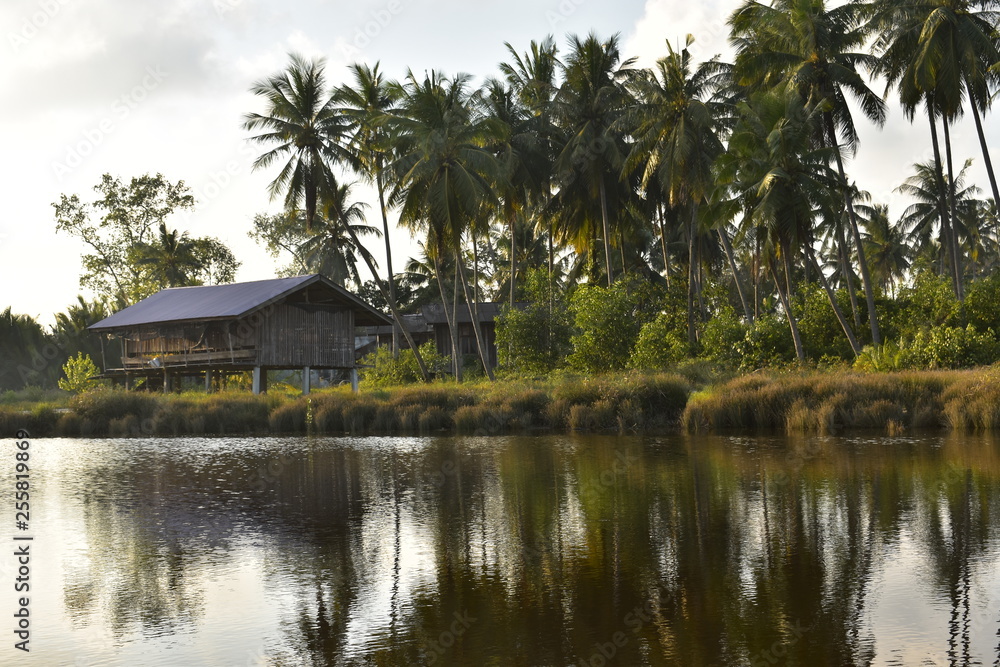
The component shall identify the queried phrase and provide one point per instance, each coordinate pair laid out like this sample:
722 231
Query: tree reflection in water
556 550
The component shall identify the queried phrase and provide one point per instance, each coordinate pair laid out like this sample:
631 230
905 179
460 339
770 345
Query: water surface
552 550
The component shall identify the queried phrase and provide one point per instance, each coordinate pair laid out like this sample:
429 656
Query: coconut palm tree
781 180
334 246
300 125
532 76
588 108
446 174
813 48
171 259
886 245
366 105
673 123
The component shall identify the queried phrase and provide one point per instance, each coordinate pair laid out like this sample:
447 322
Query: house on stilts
303 323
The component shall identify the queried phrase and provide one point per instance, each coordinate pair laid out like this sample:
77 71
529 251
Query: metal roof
226 302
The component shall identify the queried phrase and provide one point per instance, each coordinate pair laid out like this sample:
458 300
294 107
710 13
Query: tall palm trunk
833 301
450 320
946 230
866 278
691 278
955 249
845 265
388 256
513 260
607 237
792 324
728 247
396 316
986 152
663 242
473 305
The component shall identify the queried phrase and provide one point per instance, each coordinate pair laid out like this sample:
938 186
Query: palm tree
446 175
333 249
673 124
886 245
924 220
781 180
533 79
588 108
366 106
810 47
301 125
171 258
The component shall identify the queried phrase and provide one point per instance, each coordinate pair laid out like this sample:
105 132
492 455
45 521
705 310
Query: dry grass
829 402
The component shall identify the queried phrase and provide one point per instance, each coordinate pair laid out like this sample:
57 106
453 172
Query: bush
608 321
722 336
660 345
80 374
949 347
381 369
768 342
535 339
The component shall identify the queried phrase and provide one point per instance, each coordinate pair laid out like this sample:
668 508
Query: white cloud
673 20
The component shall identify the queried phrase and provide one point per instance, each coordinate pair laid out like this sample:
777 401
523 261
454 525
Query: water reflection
554 551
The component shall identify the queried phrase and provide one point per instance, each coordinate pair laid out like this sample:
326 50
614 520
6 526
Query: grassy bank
806 402
618 404
891 403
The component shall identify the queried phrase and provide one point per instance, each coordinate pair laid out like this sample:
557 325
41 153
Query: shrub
660 344
535 339
608 321
80 374
381 369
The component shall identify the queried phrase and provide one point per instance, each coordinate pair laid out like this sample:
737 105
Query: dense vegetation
638 218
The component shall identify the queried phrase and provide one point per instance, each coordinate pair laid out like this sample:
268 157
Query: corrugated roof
215 302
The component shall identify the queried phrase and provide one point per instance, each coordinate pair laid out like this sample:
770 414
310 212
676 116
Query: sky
129 88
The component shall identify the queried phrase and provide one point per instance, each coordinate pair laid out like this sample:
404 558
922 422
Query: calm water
511 551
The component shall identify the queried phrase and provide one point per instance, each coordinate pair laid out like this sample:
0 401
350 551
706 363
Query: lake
540 550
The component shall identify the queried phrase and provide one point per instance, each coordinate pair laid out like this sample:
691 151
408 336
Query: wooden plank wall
292 336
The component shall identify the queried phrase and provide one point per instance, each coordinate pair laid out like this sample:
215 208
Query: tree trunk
955 249
388 257
833 302
513 261
450 320
845 264
690 290
792 325
474 313
728 247
986 152
946 231
663 243
396 316
866 278
607 237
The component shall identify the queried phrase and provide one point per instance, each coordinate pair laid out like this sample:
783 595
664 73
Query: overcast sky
127 88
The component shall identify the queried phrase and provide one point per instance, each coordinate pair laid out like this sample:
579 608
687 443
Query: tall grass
826 402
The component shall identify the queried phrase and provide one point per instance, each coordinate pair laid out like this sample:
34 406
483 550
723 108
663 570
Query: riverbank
790 402
630 403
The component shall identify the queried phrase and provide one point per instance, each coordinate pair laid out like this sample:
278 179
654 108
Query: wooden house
305 322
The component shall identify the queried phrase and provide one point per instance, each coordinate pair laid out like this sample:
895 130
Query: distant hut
304 323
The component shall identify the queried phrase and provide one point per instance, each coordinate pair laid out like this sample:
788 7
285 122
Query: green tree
367 105
588 109
27 353
300 125
812 48
130 252
607 322
674 125
446 175
81 374
535 339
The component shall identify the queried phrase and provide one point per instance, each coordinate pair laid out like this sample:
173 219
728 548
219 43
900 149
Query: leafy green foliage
768 342
535 339
380 369
608 321
80 374
130 253
821 333
661 344
722 337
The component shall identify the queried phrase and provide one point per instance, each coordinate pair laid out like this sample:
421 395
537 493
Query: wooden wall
316 336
